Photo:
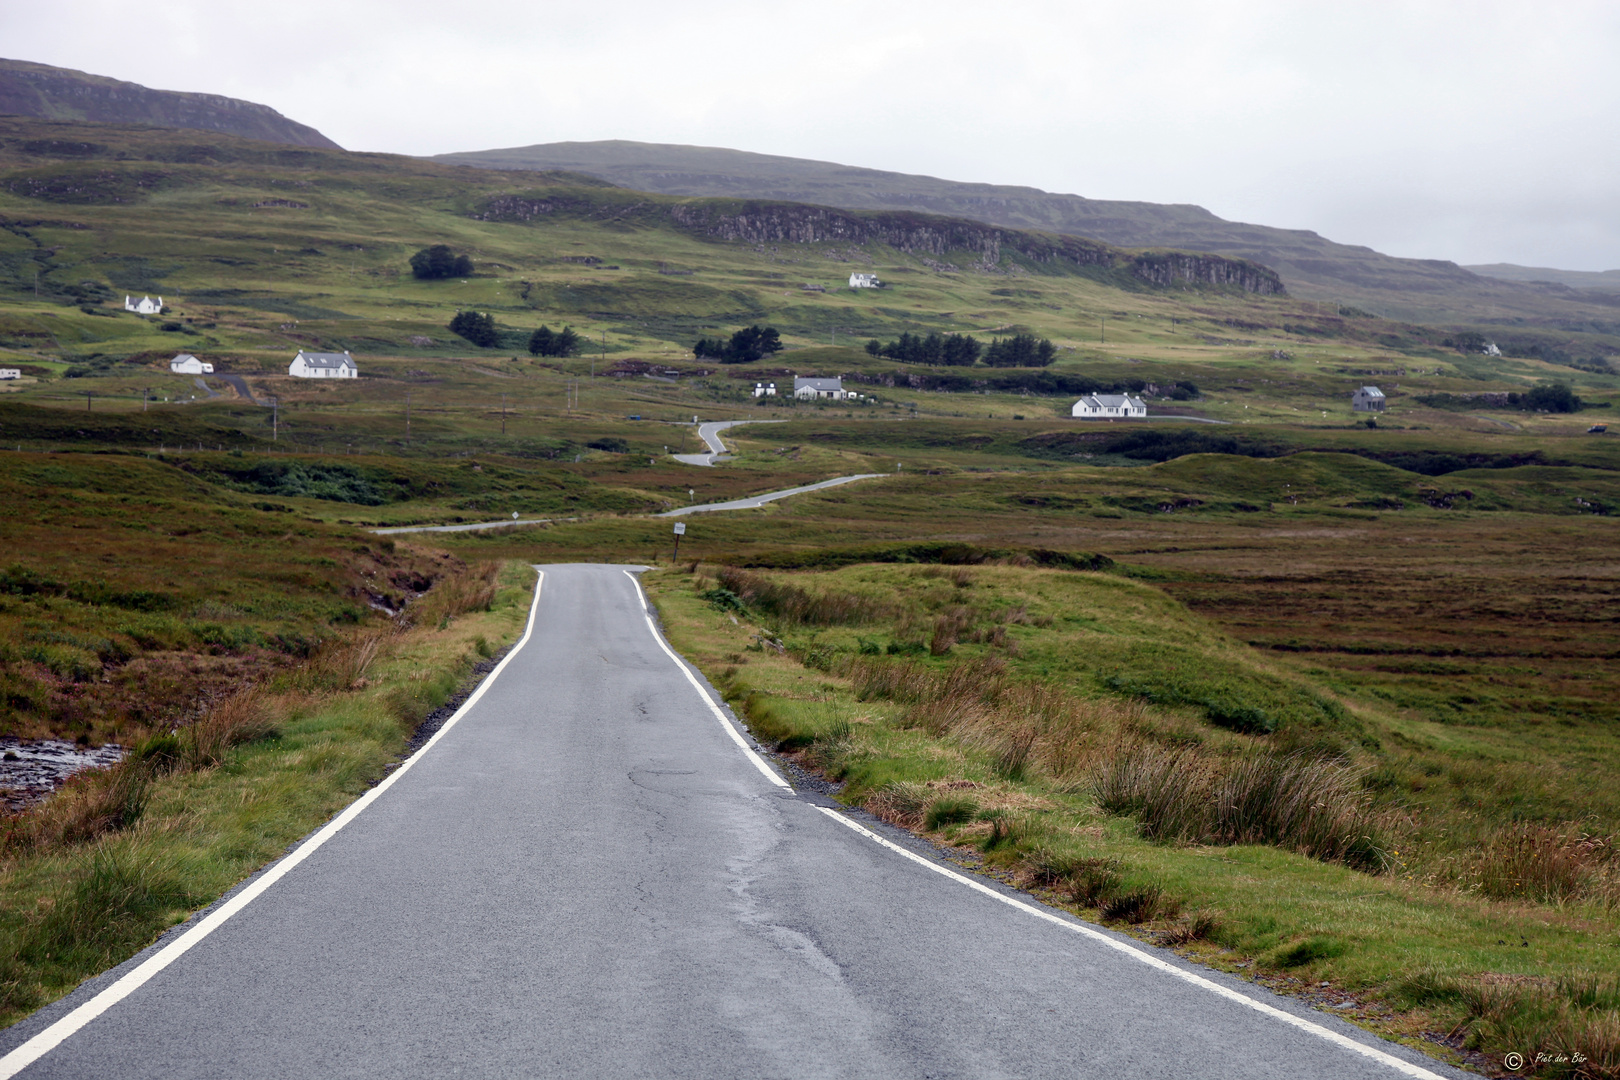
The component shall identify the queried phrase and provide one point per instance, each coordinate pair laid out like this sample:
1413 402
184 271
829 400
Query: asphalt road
588 875
754 502
710 434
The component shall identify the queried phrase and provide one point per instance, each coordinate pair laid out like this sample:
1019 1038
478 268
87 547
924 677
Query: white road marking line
719 714
47 1040
1147 958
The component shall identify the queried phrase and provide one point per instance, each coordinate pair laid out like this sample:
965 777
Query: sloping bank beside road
114 859
1010 714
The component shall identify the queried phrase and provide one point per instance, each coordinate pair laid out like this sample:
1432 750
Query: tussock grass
1546 865
1566 1028
792 604
1314 807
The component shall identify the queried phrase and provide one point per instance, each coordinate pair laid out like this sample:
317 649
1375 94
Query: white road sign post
680 531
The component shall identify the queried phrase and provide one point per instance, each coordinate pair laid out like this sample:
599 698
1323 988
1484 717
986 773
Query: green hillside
1424 290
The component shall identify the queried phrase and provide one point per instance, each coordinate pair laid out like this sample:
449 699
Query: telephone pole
407 418
503 414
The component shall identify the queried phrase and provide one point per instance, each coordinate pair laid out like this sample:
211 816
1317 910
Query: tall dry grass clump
243 717
1567 1028
88 805
471 588
792 604
1550 866
1019 724
1291 801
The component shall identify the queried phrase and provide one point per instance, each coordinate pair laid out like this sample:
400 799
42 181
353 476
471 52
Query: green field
1407 624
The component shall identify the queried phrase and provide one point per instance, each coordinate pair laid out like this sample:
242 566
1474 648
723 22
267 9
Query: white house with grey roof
186 364
323 365
1109 407
864 281
144 306
1367 399
820 389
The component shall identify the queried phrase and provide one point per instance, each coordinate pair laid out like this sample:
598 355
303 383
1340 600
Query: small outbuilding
764 389
1367 399
10 373
323 365
1108 407
864 281
186 364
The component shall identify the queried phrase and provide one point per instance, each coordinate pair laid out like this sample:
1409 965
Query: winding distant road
710 434
589 872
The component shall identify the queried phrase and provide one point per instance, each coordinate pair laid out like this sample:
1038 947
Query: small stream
31 770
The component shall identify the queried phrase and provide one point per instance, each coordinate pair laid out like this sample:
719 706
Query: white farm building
1367 399
864 281
814 389
144 306
1108 407
323 365
186 364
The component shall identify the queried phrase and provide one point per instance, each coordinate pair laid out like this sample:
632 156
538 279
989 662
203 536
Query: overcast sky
1479 131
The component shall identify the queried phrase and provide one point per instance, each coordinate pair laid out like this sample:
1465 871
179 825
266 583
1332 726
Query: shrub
793 604
476 327
563 343
438 262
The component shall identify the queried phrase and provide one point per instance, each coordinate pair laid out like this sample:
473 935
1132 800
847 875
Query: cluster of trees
951 350
1020 350
439 261
1547 397
961 350
564 342
744 347
477 327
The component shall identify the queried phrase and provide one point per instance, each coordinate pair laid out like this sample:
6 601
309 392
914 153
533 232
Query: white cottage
814 389
323 365
186 364
764 389
144 306
864 281
1367 399
1108 407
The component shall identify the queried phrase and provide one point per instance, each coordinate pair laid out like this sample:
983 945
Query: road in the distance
710 434
587 877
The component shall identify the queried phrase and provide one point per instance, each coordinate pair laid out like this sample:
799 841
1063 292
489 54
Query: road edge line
1135 953
53 1036
719 714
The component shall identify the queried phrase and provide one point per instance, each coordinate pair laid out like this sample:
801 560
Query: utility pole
146 393
87 394
275 419
1103 322
503 414
407 418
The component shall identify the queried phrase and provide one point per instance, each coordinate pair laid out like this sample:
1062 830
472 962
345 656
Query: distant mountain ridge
1575 279
53 93
1311 266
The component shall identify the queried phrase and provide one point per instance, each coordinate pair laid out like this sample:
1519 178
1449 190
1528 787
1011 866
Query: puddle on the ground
31 770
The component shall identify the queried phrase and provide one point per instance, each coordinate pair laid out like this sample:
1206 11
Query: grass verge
1019 739
118 856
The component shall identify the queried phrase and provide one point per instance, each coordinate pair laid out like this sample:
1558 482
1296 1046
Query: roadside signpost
680 531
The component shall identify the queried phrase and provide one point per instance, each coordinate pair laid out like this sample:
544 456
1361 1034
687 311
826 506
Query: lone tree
746 346
562 343
438 261
477 327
